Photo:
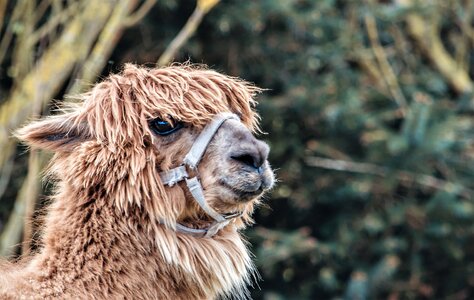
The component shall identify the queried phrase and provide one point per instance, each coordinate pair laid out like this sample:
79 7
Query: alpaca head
135 125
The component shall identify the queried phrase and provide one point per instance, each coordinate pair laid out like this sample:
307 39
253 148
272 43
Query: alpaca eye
162 127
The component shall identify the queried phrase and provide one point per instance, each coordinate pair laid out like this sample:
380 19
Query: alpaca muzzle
191 161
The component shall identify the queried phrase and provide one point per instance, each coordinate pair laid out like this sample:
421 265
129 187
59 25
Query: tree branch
133 19
384 65
428 40
28 194
372 169
19 221
202 8
5 175
3 8
106 42
53 22
8 35
53 68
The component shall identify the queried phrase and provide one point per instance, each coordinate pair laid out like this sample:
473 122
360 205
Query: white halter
191 160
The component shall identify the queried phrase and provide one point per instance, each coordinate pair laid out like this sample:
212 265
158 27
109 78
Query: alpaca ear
56 133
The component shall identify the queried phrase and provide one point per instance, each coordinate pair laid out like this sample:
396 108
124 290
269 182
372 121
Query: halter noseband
191 160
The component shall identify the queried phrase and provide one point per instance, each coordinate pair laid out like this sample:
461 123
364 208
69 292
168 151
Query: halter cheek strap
191 160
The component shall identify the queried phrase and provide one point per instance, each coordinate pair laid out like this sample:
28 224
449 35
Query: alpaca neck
94 242
90 247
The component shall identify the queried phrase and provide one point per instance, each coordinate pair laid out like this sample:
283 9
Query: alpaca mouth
243 194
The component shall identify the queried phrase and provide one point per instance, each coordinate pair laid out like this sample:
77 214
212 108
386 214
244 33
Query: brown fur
109 232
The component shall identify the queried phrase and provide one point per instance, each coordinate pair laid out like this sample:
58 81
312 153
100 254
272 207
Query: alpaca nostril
250 152
249 159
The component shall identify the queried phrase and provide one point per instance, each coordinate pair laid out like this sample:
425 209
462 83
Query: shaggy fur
109 232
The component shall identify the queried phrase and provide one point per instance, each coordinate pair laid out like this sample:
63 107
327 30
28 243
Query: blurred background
369 111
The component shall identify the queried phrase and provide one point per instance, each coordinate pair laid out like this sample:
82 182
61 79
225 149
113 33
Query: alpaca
156 170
